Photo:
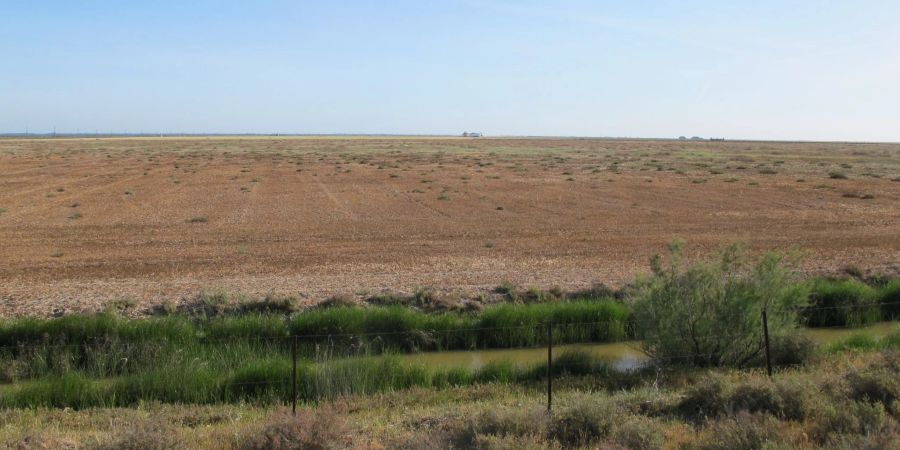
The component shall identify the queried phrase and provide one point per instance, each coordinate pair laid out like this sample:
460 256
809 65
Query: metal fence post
549 367
294 376
765 319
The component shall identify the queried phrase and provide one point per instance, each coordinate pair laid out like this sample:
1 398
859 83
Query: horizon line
66 135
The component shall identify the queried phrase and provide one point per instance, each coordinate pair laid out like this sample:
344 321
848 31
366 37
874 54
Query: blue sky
817 70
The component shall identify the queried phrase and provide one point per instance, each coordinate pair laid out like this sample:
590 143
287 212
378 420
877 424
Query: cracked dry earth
87 221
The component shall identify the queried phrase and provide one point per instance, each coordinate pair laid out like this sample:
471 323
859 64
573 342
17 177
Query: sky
808 70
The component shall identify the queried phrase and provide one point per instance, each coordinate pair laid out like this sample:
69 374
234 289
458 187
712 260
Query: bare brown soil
162 219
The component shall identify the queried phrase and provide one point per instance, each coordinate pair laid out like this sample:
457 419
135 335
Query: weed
150 435
582 424
319 429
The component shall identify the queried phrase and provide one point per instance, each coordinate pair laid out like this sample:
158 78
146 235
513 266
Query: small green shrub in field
742 432
783 399
876 384
638 433
319 429
713 396
585 422
842 303
503 423
270 304
710 313
151 435
708 397
856 417
794 349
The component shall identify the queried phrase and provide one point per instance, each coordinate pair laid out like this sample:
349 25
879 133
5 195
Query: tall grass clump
710 313
577 321
249 326
71 390
380 329
889 297
76 329
844 302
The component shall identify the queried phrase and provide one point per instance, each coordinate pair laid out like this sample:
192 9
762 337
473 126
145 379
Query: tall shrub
710 313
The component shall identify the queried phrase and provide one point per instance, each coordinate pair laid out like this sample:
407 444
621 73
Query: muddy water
623 355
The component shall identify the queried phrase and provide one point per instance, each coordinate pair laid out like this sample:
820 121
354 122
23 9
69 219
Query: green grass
867 342
268 380
842 303
500 326
889 298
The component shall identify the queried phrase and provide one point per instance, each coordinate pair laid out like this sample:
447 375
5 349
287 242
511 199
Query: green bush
151 435
743 432
709 314
583 423
782 399
794 349
713 396
319 429
857 417
707 397
876 384
638 433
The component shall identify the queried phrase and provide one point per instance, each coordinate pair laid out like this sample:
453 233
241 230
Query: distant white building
471 134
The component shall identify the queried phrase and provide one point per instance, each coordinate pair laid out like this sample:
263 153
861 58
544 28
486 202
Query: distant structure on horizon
698 138
475 134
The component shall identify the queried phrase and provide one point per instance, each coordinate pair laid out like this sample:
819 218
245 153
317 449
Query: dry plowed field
88 221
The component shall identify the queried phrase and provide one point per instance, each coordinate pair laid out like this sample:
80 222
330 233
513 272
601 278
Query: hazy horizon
805 70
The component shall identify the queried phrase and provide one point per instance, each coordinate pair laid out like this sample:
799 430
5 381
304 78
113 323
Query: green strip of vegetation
268 380
867 342
502 326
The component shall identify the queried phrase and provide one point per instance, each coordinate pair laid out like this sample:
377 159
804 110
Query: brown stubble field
160 219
